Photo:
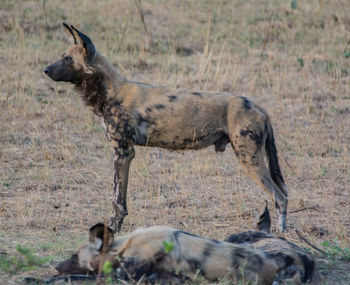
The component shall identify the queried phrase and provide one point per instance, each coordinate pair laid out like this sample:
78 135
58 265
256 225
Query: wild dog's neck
99 87
109 70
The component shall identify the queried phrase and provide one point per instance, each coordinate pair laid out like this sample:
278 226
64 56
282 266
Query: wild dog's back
215 259
192 254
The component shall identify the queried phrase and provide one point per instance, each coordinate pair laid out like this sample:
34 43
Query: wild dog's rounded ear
70 32
97 235
85 42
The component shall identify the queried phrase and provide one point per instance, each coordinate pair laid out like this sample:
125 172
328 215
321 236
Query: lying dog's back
191 255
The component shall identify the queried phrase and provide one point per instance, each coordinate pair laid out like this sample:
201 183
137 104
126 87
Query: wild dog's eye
68 59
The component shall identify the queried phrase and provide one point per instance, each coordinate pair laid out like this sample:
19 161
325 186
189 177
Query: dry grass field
56 165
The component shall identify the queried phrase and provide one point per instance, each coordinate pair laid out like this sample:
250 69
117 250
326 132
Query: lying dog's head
87 259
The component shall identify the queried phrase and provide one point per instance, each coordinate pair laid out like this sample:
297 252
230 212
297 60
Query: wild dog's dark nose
46 70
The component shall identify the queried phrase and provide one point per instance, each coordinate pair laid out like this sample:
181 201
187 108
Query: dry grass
56 164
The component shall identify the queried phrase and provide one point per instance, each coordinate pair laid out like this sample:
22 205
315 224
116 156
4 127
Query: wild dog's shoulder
155 234
143 242
153 231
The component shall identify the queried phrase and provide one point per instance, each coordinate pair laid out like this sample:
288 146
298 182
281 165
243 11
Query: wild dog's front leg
120 133
122 159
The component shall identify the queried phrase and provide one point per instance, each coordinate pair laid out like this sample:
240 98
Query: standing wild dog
140 114
142 255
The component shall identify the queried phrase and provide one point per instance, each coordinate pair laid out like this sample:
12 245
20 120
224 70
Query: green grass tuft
23 260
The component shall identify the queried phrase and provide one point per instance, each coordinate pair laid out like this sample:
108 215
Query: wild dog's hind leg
120 133
248 137
253 163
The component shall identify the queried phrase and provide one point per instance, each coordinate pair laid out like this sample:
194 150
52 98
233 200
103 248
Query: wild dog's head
87 258
76 62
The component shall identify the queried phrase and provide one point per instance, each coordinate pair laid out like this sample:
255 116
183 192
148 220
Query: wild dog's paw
282 227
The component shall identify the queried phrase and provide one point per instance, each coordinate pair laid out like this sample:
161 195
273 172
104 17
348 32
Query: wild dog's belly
182 143
182 139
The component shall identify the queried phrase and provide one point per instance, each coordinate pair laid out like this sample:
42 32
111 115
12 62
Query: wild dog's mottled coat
247 255
140 114
294 263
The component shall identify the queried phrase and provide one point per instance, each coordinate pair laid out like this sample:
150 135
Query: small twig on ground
59 279
222 225
141 280
142 16
309 243
304 209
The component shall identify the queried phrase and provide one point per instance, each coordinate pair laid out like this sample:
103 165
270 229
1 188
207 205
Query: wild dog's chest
122 129
117 123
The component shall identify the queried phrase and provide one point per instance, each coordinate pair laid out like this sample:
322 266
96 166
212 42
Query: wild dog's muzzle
49 71
59 71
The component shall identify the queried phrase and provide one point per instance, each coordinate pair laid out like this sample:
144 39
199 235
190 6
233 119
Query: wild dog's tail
271 151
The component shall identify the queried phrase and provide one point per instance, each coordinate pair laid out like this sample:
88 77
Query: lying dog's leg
120 133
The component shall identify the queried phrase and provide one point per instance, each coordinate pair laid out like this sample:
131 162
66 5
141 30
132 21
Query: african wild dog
141 254
140 114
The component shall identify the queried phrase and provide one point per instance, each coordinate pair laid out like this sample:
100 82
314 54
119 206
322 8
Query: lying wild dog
142 255
140 114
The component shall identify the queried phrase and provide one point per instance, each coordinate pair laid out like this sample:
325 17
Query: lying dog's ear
97 235
264 221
